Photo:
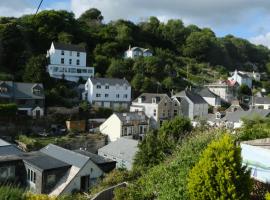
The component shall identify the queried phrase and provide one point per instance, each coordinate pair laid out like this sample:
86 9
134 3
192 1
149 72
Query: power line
39 6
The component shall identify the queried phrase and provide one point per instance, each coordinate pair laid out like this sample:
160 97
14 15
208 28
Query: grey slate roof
21 90
7 149
121 148
147 97
205 92
94 157
262 100
65 155
194 97
132 116
42 161
68 47
238 115
109 81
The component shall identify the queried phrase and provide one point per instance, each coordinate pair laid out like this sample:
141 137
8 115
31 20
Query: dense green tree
91 16
219 173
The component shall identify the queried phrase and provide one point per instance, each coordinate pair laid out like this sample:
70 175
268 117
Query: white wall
86 170
111 127
112 92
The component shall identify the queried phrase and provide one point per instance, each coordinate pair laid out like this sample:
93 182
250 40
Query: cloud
204 11
261 39
16 8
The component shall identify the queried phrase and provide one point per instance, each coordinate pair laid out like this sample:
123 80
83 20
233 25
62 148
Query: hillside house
135 52
68 61
108 92
131 124
29 97
157 107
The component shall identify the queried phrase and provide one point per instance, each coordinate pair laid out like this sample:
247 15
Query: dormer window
107 87
98 86
62 52
3 89
37 90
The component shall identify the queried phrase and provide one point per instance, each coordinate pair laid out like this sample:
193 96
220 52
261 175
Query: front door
85 183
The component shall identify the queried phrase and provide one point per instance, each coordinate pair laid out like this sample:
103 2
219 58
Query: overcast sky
249 19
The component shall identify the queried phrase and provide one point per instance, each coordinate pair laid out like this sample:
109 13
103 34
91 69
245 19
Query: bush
219 173
8 110
11 193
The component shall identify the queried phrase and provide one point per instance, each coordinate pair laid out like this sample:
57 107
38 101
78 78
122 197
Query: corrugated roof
68 47
147 97
65 155
94 157
43 161
109 81
122 148
238 115
262 100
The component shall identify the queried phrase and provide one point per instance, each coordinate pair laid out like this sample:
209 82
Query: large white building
132 125
108 92
135 52
241 78
158 107
68 61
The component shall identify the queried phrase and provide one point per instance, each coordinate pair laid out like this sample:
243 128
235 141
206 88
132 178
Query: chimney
129 47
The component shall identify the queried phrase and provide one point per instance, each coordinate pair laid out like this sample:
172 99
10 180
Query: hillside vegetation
183 55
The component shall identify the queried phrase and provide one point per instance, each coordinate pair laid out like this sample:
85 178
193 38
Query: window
155 112
78 62
62 52
78 54
98 86
31 176
62 60
117 96
98 95
3 90
175 112
7 172
106 95
90 71
51 179
125 96
107 87
70 61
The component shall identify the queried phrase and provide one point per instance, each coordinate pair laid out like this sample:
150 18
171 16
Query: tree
243 90
91 16
219 173
171 131
150 152
35 70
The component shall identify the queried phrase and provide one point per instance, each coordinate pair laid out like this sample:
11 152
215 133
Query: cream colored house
131 125
158 107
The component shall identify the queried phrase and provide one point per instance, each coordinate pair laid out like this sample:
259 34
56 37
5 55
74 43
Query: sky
249 19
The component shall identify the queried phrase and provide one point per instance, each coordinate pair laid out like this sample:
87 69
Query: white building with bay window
108 92
68 61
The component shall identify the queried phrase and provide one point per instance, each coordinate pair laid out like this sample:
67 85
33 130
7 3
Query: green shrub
219 173
8 110
11 193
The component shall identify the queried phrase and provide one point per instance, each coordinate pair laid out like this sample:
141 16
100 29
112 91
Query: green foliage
8 110
267 196
219 173
243 90
151 152
11 193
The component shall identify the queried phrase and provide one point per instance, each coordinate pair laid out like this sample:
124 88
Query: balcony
74 71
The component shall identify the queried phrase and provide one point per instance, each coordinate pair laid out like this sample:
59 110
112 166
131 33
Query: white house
262 103
123 151
241 78
135 52
158 107
253 75
226 90
211 98
108 92
132 125
68 61
192 104
256 157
